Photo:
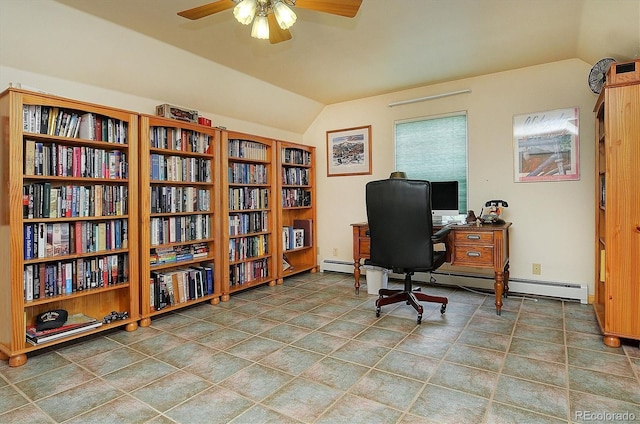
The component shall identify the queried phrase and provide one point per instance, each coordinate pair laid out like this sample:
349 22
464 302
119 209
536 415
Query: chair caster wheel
443 308
378 313
419 320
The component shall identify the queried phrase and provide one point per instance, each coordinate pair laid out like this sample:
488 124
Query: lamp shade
245 11
260 27
284 15
398 174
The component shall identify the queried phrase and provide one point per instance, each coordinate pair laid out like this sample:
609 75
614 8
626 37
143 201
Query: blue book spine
28 241
209 275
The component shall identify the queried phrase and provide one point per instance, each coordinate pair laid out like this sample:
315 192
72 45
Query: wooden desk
486 246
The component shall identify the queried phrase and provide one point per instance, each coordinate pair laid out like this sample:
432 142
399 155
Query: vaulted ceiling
392 45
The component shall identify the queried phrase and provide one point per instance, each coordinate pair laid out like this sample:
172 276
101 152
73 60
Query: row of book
295 197
179 168
247 173
295 156
292 238
60 160
48 240
173 254
168 288
180 139
247 149
77 323
297 235
295 176
66 277
102 128
176 229
43 200
248 247
179 199
61 122
246 272
243 198
247 223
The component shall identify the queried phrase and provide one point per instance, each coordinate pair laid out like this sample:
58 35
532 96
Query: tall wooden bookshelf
180 247
68 216
297 217
249 212
617 199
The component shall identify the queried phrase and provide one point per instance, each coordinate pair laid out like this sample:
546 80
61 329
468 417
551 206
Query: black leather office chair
402 238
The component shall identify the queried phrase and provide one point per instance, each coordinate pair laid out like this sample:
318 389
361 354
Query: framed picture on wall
349 151
546 146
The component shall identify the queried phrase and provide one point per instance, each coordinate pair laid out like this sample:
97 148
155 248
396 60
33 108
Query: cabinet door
622 272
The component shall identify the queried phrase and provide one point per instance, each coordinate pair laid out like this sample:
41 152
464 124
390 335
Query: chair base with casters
409 296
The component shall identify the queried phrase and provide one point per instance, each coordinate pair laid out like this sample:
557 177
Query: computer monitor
444 199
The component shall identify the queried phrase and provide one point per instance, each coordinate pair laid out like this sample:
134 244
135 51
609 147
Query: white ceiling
392 44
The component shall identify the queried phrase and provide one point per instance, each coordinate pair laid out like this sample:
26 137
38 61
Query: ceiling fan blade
277 34
207 9
348 8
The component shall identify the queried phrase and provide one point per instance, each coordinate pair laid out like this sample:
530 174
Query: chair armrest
441 235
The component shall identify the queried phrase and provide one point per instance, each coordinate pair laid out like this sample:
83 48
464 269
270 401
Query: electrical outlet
335 251
536 269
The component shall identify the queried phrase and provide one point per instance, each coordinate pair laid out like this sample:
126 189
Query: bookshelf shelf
617 235
66 167
297 217
83 293
180 225
247 173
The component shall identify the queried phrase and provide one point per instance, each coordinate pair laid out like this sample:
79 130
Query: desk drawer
365 248
474 237
479 256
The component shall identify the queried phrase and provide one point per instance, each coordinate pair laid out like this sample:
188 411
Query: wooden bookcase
68 215
180 246
249 212
617 200
297 217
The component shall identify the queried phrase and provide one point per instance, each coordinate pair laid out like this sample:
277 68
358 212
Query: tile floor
311 351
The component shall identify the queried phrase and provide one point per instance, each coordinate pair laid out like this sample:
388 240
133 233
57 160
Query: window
434 149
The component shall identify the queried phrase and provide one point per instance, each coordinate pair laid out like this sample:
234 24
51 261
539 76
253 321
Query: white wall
48 38
553 222
90 93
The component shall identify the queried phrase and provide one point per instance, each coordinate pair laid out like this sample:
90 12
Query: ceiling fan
272 18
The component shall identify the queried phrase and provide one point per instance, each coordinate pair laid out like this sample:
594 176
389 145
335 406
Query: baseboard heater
572 291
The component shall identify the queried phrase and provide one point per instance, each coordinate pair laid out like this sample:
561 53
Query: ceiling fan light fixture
283 13
245 11
260 27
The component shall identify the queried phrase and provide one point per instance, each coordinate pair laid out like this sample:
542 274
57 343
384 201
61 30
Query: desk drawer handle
473 236
474 254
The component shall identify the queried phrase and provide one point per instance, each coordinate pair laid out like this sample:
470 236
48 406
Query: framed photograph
546 146
349 151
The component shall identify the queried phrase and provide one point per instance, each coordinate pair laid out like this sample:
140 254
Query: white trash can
377 278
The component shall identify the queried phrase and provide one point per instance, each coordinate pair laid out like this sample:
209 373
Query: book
298 238
29 157
75 324
307 226
285 263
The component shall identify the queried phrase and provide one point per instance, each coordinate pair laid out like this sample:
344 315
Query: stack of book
77 323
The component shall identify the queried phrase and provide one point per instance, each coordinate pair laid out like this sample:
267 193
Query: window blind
434 149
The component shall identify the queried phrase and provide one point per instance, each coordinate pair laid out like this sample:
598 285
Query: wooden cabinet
179 215
68 215
297 213
249 211
617 200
